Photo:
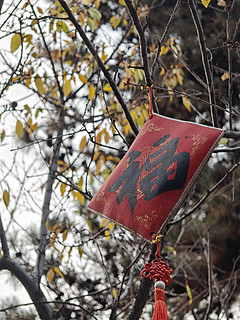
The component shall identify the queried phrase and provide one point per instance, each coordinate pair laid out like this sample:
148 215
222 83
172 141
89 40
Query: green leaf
64 27
15 42
94 13
91 23
19 129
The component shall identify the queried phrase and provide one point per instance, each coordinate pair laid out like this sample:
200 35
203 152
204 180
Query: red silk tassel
160 272
160 309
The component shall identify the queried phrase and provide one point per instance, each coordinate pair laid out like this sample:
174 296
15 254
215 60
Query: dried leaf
6 198
50 275
107 137
83 144
19 129
15 42
225 76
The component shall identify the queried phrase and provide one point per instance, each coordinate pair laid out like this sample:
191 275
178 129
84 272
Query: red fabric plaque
150 183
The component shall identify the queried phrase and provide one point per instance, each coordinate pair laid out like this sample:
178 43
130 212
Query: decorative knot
157 270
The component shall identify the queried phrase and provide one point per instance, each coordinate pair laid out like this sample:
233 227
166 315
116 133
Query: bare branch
205 61
101 65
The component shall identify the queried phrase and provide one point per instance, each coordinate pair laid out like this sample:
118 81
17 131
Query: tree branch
101 65
143 293
205 61
3 238
44 310
143 45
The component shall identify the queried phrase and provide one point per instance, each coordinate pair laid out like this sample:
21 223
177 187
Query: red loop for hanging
150 103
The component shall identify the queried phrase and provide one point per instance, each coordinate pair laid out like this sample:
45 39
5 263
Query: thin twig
101 65
205 61
206 195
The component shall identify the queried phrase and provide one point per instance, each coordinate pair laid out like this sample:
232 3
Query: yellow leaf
39 84
89 225
15 42
223 141
47 226
103 222
67 88
83 144
98 166
80 183
206 3
65 234
110 226
19 129
122 2
114 292
81 198
57 271
6 198
91 92
63 188
2 135
187 103
107 87
107 235
82 78
189 293
225 76
107 137
50 275
86 2
80 251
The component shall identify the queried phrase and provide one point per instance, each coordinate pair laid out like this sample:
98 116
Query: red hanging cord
150 103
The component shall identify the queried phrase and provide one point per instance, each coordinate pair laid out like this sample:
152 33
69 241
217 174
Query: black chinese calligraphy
164 170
